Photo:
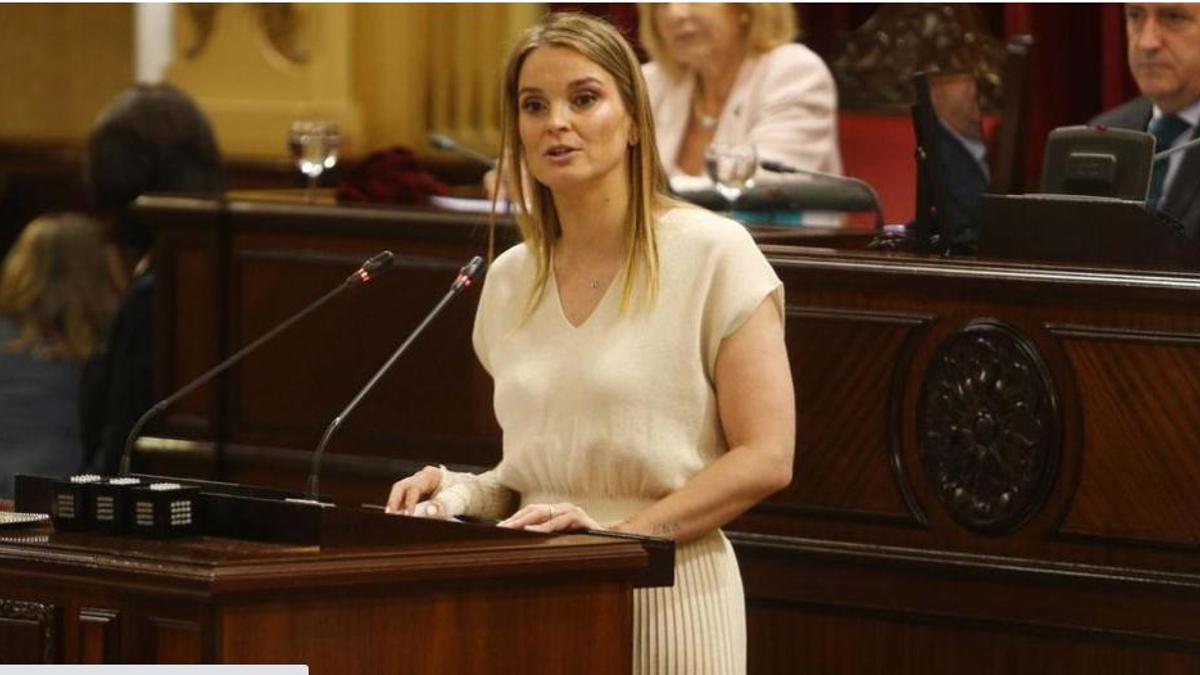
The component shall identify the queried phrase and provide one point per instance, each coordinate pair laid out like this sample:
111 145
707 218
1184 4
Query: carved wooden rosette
29 632
988 427
874 65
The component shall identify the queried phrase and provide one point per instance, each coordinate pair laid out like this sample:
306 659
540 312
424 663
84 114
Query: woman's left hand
550 518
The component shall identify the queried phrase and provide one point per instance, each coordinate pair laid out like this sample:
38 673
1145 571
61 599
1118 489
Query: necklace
707 121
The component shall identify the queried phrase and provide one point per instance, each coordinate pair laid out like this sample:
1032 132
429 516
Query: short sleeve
741 278
480 334
499 301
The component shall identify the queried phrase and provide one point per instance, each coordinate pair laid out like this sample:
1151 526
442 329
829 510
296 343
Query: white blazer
783 101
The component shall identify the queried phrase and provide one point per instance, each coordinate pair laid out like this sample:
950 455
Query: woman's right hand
409 492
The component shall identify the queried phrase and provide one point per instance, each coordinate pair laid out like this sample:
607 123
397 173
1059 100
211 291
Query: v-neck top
622 409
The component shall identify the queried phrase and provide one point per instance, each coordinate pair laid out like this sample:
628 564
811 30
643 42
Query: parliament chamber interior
985 229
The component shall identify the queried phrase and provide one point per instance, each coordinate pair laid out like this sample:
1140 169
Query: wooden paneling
1067 395
99 635
831 393
173 641
1152 452
404 595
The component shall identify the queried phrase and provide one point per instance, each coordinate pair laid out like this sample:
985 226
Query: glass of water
731 168
314 147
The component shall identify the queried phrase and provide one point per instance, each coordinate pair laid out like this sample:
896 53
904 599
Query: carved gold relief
279 24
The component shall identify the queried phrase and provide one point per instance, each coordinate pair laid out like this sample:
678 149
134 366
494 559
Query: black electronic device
1098 162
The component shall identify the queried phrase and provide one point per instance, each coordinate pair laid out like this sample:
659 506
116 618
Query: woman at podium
636 345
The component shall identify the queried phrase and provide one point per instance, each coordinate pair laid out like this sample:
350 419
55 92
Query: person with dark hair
151 139
56 299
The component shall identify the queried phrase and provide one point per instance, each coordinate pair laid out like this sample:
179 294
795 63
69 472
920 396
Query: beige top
784 102
621 410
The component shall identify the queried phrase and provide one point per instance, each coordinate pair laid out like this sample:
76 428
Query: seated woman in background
730 74
151 139
56 299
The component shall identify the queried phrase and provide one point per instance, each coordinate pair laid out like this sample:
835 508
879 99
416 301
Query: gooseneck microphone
444 142
1179 148
464 279
779 167
371 268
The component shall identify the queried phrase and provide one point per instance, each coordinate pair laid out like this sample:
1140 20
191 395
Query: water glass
731 168
313 145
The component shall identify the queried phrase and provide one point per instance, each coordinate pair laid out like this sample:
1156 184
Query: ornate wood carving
875 64
280 23
203 16
29 632
988 427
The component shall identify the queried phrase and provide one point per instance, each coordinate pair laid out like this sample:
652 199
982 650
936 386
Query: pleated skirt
697 626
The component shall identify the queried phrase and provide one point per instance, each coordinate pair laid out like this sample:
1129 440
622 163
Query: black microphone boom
444 142
465 275
371 268
780 167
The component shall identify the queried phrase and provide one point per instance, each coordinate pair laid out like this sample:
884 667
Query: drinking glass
731 168
314 147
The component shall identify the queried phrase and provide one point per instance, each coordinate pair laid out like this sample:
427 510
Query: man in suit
1164 56
962 153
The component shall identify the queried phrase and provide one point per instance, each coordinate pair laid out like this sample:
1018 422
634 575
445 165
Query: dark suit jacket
964 180
1182 200
117 385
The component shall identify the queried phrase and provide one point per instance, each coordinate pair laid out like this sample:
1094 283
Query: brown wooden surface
859 566
498 604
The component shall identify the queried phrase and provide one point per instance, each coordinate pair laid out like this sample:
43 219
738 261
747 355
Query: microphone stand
780 167
375 265
463 280
444 142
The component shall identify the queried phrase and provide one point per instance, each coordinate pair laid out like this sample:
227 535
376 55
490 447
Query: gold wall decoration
252 89
279 21
387 74
201 16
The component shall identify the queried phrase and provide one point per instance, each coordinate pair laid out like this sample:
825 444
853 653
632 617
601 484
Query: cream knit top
621 410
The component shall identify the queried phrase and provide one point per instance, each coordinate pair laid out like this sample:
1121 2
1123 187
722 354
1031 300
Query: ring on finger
551 507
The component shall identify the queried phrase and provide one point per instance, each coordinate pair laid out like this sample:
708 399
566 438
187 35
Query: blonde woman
731 74
56 299
636 345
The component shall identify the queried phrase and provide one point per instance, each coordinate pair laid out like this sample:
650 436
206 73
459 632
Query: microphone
779 167
1179 148
463 280
371 268
444 142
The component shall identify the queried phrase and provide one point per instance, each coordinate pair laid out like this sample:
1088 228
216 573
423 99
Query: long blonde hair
767 25
55 285
648 186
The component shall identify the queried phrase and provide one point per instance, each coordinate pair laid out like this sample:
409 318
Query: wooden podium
429 597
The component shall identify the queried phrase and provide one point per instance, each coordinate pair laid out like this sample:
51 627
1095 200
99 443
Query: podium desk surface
217 565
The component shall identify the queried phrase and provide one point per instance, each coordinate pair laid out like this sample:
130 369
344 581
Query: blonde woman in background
636 346
56 300
730 74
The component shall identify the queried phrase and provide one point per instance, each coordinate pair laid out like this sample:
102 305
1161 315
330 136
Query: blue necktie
1165 129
